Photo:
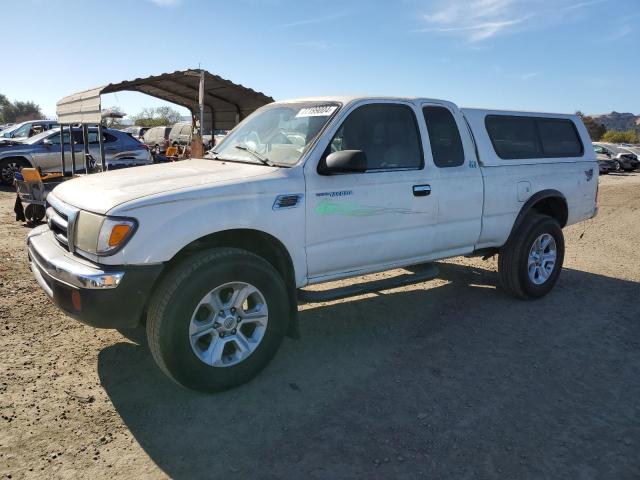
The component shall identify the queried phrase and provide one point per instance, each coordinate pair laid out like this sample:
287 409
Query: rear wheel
9 167
217 319
530 263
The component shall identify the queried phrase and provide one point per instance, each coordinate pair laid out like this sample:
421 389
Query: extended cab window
559 138
446 144
386 133
519 137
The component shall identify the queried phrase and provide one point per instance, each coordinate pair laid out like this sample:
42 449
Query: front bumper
100 296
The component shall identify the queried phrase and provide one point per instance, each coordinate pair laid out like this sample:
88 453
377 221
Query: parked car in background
624 160
157 139
27 129
182 132
43 151
631 149
136 132
605 164
5 126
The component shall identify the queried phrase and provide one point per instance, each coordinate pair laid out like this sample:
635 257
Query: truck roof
347 99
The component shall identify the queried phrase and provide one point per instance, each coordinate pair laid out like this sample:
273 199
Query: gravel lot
445 379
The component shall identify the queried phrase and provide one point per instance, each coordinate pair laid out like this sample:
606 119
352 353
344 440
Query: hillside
618 121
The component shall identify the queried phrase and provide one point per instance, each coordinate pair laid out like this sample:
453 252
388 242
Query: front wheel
9 167
530 263
217 319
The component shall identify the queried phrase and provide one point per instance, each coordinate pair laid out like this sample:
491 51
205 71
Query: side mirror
345 161
47 142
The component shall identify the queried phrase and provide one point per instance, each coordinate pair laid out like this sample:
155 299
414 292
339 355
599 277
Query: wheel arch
259 243
24 158
547 202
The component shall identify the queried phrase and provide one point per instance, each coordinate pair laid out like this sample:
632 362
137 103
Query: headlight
101 235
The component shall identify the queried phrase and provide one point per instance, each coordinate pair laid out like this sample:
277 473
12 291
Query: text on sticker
319 111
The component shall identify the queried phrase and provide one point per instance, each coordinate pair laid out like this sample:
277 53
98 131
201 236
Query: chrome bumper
48 261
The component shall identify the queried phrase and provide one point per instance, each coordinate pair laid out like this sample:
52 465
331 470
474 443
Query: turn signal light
118 234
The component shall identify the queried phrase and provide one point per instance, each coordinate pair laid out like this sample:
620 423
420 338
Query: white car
214 254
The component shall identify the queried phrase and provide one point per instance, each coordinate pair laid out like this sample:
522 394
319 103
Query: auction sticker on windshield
318 111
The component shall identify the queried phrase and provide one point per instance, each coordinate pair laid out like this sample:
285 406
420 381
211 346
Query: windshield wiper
264 160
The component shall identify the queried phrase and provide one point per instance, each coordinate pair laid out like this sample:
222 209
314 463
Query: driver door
360 222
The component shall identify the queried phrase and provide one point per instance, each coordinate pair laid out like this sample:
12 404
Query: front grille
61 219
59 225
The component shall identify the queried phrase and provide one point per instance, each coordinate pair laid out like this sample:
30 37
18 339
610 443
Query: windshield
21 130
277 134
8 132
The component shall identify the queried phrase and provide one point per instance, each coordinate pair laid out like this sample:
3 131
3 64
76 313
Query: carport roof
225 102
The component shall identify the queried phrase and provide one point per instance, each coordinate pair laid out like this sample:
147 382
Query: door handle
421 190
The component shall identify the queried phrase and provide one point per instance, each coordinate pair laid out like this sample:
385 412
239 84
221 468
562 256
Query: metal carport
214 102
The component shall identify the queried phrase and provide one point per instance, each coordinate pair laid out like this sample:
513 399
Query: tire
176 304
34 213
616 166
8 167
514 259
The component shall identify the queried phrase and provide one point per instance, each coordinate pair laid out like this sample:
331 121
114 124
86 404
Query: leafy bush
630 136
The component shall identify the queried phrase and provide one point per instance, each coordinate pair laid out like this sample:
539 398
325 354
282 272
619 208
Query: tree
19 111
630 136
596 130
155 117
4 102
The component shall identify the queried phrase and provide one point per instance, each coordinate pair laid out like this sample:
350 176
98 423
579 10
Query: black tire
8 167
177 295
34 213
616 166
513 275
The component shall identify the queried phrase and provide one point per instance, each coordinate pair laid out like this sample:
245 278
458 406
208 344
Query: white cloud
478 20
166 3
529 76
314 20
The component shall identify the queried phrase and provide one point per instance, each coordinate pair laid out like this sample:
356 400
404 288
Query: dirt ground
445 379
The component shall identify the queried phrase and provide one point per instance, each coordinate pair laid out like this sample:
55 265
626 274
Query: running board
424 272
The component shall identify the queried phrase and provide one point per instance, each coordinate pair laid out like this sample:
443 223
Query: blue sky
551 55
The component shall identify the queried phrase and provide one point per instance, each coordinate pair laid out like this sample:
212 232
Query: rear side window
446 144
559 138
518 137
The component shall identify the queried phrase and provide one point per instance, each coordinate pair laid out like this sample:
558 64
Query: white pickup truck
214 254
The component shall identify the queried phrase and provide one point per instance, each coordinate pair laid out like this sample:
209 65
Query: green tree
155 117
4 103
596 130
630 136
18 111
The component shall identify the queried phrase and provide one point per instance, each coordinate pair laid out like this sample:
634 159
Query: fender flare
529 204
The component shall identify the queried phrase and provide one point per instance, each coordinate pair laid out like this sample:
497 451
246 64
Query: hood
10 142
100 192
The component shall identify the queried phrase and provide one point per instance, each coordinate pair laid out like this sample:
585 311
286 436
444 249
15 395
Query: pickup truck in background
214 254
